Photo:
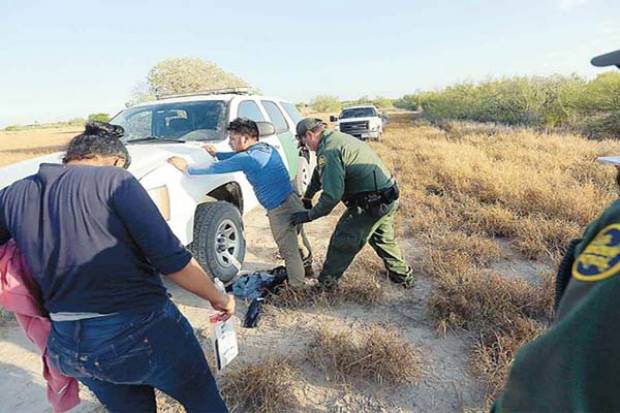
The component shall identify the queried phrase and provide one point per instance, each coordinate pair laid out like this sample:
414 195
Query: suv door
288 144
250 109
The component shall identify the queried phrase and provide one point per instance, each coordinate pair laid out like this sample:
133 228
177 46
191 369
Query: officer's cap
307 124
608 59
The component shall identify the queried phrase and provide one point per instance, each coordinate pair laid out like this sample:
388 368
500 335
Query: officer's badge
321 161
601 258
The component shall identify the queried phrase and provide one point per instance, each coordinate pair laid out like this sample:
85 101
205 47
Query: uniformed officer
575 365
349 170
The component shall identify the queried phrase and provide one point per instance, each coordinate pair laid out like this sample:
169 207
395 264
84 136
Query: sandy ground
444 386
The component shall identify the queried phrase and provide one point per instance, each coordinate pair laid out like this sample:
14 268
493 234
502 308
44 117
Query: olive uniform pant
354 229
292 242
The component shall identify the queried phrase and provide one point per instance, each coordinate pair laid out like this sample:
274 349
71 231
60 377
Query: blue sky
64 59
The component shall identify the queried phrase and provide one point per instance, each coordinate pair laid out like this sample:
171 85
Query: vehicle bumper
366 135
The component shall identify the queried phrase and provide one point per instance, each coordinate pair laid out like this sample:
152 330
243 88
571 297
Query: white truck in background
362 121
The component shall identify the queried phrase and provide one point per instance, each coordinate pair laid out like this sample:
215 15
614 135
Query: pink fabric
20 295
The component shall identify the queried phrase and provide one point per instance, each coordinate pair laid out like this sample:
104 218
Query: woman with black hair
96 244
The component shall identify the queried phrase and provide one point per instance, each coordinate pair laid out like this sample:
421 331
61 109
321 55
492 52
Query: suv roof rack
229 90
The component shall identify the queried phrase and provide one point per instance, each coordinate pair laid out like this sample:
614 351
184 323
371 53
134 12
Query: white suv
363 122
203 211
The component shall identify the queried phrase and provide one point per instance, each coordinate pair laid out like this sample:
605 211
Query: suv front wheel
219 242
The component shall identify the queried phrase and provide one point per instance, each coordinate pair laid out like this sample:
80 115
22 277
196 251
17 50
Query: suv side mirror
265 129
333 118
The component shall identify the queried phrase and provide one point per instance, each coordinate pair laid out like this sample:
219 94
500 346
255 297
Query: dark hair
244 126
98 139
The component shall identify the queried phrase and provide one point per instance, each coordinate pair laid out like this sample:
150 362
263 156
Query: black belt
385 195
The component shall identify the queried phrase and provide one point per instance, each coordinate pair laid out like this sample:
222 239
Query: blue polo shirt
93 239
263 167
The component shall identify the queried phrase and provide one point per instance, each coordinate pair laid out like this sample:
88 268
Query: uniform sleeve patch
321 161
601 257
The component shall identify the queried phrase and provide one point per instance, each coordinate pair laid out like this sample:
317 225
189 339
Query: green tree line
591 106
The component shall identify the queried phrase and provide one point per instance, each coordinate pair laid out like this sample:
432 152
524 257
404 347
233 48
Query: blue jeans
123 358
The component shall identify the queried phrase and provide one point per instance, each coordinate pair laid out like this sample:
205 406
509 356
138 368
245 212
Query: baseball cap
608 59
306 124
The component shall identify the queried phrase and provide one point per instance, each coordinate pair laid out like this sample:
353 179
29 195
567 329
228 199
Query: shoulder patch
601 257
321 161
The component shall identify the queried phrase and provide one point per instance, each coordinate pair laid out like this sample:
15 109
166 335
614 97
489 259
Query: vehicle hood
144 159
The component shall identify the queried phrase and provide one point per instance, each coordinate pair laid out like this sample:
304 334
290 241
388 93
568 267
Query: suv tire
304 174
218 233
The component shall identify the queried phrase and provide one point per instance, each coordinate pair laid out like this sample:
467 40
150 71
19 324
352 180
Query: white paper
224 343
613 160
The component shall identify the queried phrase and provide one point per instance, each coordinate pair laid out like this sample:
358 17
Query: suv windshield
358 113
183 121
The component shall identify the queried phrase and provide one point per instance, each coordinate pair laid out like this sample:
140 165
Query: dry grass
263 387
465 185
372 353
499 181
30 143
491 358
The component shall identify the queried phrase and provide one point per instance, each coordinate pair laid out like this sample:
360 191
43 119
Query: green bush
409 102
100 117
325 103
549 101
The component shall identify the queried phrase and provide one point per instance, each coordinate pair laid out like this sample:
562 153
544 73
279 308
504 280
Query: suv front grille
354 128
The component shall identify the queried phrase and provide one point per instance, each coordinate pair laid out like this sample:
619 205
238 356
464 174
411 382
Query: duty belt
385 195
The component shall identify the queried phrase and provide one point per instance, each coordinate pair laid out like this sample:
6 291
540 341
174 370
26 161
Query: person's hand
179 163
299 218
211 149
226 304
307 203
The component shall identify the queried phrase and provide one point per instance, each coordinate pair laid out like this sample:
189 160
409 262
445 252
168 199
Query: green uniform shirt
575 365
345 166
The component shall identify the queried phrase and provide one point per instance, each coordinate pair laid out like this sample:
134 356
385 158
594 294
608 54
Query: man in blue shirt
96 244
263 166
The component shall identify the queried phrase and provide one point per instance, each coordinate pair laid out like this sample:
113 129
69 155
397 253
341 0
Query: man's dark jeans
122 358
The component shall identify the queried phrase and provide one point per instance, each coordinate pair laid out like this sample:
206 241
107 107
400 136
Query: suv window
277 118
249 109
292 111
181 120
358 113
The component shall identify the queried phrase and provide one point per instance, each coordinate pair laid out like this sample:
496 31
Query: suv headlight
161 198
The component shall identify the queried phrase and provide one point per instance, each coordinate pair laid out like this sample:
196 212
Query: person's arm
239 162
222 156
332 182
314 186
192 278
159 245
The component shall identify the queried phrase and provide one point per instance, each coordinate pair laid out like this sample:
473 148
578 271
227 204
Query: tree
100 117
325 103
186 75
409 102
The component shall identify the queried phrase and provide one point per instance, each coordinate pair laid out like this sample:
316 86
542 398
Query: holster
374 203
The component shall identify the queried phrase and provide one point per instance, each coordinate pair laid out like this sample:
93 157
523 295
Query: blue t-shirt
262 165
92 238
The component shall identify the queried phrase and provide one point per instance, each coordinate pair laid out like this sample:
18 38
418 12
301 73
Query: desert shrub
409 102
266 386
101 117
374 352
533 101
324 103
